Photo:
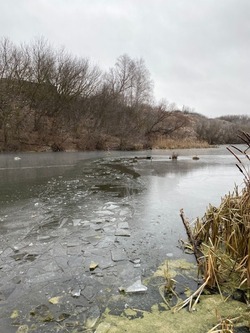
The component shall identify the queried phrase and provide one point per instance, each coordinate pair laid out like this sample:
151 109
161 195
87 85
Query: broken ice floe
136 287
76 292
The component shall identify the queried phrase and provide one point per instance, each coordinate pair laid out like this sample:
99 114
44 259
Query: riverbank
97 143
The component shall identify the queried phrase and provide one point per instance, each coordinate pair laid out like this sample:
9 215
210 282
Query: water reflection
183 184
202 181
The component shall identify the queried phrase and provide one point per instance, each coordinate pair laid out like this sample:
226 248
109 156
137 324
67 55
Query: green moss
15 314
209 311
173 267
204 318
23 329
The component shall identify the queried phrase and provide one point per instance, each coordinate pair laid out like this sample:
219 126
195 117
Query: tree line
50 98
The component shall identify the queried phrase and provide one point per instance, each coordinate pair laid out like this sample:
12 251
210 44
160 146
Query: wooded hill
50 100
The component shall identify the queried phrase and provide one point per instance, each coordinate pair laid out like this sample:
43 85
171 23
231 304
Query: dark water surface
61 211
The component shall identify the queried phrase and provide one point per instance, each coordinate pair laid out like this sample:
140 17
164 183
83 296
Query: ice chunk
118 255
122 232
104 212
123 225
136 287
93 266
76 222
76 292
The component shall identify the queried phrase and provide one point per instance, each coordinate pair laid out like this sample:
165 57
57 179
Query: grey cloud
197 51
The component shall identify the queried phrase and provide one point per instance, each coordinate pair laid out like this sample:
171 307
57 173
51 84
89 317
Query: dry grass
222 237
224 326
164 143
224 234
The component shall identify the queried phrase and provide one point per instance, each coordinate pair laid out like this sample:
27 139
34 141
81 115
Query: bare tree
60 84
49 93
130 80
128 89
164 120
213 131
14 70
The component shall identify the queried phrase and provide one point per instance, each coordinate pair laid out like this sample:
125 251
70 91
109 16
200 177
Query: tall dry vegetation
221 239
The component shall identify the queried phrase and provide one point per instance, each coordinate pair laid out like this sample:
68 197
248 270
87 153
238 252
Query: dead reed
224 235
168 143
221 239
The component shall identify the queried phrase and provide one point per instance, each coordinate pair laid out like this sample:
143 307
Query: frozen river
77 226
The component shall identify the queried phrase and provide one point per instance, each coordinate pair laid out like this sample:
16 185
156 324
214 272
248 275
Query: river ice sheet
110 210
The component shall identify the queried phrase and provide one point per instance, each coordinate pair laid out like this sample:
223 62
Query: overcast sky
197 51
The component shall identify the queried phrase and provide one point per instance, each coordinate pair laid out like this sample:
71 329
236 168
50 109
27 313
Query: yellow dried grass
223 237
168 143
224 234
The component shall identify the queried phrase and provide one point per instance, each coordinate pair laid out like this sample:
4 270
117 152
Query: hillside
52 101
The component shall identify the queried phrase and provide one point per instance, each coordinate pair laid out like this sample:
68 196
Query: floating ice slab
110 206
118 255
76 222
76 292
105 212
125 211
136 287
122 232
123 225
